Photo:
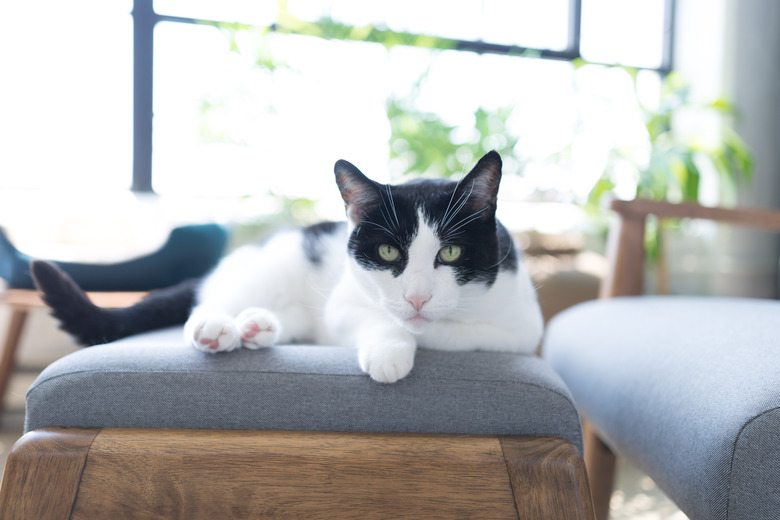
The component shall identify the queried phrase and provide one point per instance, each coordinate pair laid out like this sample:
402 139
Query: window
66 95
233 97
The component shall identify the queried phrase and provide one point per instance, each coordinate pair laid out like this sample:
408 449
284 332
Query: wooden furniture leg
42 474
10 345
207 474
548 478
600 463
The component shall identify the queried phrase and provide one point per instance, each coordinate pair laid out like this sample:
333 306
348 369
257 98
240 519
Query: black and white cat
425 263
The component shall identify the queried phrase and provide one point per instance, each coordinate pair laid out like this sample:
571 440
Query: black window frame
145 19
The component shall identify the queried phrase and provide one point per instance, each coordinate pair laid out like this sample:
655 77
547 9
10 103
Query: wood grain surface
197 474
758 218
548 478
43 472
28 298
626 255
57 474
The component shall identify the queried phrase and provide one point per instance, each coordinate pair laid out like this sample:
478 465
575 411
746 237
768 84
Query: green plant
424 144
677 160
673 171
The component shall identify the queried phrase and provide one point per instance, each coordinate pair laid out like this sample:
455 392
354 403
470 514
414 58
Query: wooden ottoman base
70 473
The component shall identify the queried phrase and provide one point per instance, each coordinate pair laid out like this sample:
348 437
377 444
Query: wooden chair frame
73 473
626 253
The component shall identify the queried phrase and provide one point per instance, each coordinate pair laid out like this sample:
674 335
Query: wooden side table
21 301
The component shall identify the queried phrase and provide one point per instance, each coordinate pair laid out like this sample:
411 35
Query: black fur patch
392 222
462 213
312 239
474 230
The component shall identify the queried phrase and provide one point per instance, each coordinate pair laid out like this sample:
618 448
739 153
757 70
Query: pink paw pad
251 330
213 344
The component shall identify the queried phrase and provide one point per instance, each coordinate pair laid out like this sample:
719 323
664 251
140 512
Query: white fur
260 296
273 287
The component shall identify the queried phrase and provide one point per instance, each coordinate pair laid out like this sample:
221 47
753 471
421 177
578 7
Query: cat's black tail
93 325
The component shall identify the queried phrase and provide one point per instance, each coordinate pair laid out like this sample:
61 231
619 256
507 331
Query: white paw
386 363
213 334
258 328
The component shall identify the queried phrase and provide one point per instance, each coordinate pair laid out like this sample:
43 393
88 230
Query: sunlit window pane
249 12
66 94
527 23
275 113
225 125
623 32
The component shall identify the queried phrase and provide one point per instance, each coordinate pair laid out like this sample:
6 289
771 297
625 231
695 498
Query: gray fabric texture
688 388
155 381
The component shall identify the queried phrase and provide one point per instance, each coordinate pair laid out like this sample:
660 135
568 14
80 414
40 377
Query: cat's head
424 247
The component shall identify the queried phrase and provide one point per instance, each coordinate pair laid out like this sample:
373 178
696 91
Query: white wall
732 47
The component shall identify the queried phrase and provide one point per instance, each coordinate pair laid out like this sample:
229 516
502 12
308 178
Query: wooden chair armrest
640 208
626 246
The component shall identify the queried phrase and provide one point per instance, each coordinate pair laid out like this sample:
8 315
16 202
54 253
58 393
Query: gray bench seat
154 380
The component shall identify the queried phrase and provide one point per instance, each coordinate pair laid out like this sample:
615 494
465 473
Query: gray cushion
154 380
687 388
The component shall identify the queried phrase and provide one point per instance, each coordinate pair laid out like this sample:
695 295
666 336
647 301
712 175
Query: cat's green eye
388 253
449 254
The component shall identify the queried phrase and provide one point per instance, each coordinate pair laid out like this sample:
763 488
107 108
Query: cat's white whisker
461 202
392 205
449 203
466 220
508 251
384 214
380 226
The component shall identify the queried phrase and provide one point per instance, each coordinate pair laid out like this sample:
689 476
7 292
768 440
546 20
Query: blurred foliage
677 158
422 143
289 211
674 169
329 29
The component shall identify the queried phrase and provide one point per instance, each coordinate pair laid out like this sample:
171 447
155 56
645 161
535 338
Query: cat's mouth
417 323
419 320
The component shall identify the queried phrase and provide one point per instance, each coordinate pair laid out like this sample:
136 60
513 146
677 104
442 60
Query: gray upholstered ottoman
688 388
151 426
156 381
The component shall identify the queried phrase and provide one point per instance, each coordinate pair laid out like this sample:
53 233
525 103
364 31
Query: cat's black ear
360 193
481 184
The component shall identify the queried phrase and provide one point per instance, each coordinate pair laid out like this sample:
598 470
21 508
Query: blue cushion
155 381
688 389
189 252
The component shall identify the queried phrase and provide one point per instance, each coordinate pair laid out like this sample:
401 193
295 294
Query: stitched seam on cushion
734 452
561 395
121 371
505 381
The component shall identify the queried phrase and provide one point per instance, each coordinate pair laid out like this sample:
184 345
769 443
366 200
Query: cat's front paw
213 334
386 363
258 328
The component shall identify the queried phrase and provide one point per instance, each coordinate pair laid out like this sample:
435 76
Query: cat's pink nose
418 300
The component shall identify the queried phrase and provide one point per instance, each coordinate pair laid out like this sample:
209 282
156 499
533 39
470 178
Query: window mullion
144 20
575 28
